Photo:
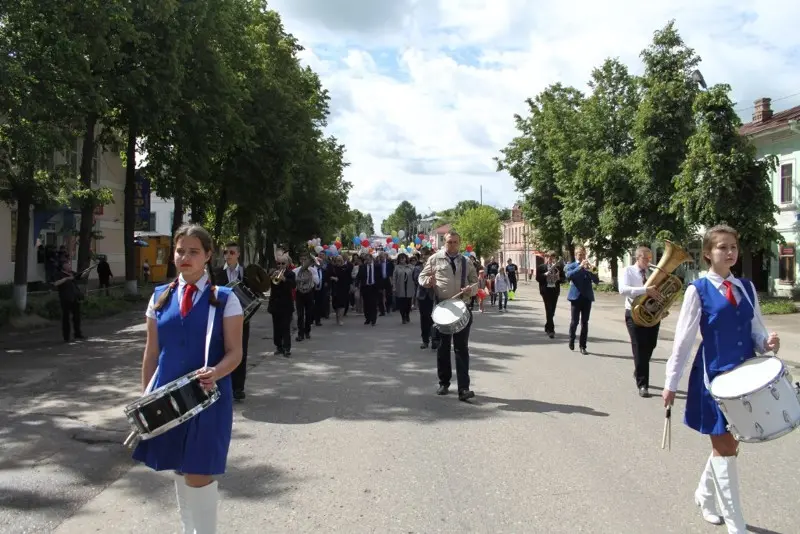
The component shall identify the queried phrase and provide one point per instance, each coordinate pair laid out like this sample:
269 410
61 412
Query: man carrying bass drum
449 273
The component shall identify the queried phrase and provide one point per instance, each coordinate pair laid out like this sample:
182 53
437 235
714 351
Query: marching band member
549 277
449 273
306 279
281 305
233 272
69 296
643 338
177 323
580 296
726 311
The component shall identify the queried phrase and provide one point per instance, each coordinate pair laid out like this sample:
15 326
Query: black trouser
322 304
425 319
643 343
385 299
372 298
460 342
239 374
304 303
404 307
550 298
581 308
512 280
105 283
71 308
282 329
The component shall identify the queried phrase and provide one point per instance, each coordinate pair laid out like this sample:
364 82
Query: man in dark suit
369 284
549 275
385 272
232 272
581 296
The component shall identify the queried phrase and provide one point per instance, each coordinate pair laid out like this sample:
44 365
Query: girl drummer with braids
726 311
177 323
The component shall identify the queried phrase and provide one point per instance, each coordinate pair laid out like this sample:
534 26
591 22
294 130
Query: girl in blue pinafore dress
178 317
725 310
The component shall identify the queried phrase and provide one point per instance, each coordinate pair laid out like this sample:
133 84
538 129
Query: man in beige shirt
448 272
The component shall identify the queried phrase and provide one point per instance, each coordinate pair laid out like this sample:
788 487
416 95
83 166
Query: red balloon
324 247
388 239
338 245
395 246
469 248
364 243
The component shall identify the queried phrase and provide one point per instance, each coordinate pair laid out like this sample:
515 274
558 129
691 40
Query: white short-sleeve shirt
232 307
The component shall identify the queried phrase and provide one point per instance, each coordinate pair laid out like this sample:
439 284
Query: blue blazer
581 282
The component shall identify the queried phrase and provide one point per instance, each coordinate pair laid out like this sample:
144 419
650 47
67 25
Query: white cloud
425 126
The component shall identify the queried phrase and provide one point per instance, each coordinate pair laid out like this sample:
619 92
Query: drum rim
777 378
772 437
162 391
182 418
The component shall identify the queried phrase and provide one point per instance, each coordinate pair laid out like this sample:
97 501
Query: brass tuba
647 311
257 278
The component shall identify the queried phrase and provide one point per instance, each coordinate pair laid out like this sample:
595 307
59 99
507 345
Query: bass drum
257 277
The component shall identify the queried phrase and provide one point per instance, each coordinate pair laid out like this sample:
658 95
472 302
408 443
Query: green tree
542 160
664 122
721 179
600 202
404 217
480 228
357 222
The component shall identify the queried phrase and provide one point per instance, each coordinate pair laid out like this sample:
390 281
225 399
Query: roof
778 120
442 229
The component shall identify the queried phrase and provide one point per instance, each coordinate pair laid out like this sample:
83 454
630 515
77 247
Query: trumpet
277 278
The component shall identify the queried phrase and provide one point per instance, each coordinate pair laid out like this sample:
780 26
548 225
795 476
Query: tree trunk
747 263
614 265
23 242
177 220
242 229
131 278
87 207
219 214
198 210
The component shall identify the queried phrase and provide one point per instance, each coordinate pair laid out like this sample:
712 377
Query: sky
423 92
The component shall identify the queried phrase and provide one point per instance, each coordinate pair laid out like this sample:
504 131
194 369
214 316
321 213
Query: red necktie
729 292
186 302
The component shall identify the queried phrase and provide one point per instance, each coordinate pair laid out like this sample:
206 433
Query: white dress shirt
232 305
314 274
234 273
631 284
689 324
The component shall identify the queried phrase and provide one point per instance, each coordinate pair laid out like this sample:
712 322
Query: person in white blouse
643 338
726 311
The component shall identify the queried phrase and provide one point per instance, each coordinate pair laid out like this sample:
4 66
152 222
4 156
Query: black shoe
287 353
239 395
367 321
465 394
299 338
551 335
572 344
644 393
584 351
443 390
424 345
308 336
317 324
80 337
278 350
434 346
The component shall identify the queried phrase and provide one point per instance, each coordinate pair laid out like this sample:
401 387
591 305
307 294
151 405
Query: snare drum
758 400
168 406
250 302
450 316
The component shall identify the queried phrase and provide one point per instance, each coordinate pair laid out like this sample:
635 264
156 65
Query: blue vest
200 445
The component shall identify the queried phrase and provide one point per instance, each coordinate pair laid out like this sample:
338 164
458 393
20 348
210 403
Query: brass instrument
257 278
647 311
277 278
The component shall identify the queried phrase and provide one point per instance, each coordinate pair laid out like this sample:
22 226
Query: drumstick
666 437
462 291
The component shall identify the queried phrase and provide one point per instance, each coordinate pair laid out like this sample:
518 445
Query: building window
786 182
786 263
153 220
161 255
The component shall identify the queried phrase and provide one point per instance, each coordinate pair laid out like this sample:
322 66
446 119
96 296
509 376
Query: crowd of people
723 308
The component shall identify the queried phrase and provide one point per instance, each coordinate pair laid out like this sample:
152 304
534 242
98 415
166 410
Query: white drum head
747 378
448 312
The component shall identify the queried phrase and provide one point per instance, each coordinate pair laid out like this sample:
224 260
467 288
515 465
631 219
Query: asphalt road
348 436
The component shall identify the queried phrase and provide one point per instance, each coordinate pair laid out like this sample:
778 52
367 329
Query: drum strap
703 353
212 312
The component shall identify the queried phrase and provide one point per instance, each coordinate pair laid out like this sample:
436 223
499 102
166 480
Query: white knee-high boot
705 496
184 508
203 503
726 479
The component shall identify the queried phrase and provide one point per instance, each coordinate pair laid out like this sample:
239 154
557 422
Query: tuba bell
647 311
257 278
